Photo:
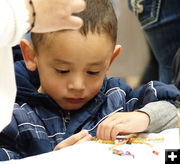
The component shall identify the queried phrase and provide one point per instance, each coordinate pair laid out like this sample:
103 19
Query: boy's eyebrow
59 61
96 63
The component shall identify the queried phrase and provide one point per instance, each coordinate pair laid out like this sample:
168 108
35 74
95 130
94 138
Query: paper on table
7 86
93 152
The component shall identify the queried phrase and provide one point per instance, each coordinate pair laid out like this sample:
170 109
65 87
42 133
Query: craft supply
150 139
103 141
155 152
122 153
127 137
142 142
135 140
128 140
117 144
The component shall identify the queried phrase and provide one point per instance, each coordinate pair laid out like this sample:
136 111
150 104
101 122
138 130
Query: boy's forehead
72 45
71 37
68 46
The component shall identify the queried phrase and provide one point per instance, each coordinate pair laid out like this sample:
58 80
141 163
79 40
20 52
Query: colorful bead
121 153
156 152
127 153
130 140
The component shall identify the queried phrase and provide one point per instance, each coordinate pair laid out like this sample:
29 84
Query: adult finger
78 6
73 22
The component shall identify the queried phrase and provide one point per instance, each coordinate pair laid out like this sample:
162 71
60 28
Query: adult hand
80 137
122 123
53 15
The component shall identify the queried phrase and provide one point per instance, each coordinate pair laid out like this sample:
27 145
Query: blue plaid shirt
39 124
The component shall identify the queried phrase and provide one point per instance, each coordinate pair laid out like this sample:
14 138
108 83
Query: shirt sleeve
163 115
9 142
14 21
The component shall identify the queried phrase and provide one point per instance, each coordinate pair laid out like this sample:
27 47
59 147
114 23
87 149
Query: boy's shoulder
26 81
24 113
115 82
22 73
28 117
20 66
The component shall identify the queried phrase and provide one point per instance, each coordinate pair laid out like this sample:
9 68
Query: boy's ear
29 54
116 52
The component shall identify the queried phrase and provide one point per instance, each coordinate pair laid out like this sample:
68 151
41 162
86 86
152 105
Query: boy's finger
84 139
121 129
71 140
103 131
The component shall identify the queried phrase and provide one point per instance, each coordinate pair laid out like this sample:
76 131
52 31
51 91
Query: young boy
70 91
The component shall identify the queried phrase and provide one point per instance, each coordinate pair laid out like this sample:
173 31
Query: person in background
17 18
160 20
176 69
64 96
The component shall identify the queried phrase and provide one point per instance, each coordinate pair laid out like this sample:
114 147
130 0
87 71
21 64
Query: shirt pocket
147 11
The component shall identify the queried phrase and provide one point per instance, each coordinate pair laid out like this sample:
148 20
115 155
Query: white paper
98 153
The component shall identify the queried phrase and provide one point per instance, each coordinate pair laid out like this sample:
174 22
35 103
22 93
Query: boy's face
73 67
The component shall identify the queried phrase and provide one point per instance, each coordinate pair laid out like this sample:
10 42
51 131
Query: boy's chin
72 107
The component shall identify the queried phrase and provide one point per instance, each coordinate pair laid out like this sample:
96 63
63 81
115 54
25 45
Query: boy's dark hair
99 16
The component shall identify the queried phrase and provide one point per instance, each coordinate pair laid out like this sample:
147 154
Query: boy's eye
62 71
93 73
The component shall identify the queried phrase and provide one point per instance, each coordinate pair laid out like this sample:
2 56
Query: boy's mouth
75 100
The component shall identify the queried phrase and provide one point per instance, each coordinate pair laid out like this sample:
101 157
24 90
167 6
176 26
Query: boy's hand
80 137
122 123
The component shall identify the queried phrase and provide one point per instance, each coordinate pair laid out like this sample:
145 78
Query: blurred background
135 54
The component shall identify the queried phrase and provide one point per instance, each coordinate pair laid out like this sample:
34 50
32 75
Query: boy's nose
77 83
